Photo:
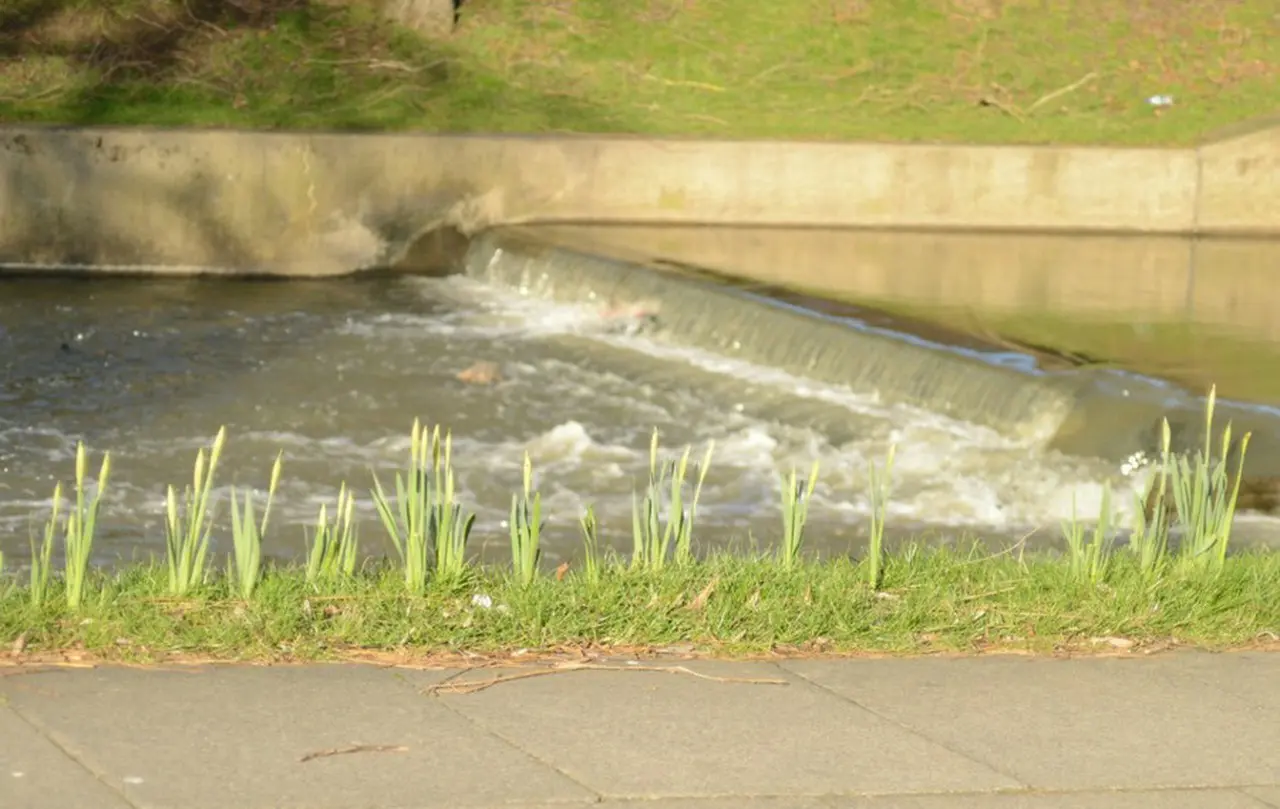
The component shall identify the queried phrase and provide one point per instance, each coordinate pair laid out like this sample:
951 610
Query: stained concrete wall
1239 186
320 204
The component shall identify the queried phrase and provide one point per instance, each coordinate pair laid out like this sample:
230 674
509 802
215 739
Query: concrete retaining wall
320 204
1239 186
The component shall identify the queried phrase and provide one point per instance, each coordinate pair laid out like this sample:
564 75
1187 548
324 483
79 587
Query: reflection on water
334 372
1197 312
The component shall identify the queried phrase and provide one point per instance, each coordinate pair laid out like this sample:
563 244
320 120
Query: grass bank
431 599
1067 71
937 600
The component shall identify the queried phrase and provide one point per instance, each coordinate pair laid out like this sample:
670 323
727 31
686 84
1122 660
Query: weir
1102 413
1028 405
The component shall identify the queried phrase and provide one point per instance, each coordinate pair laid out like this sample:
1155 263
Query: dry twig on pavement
456 687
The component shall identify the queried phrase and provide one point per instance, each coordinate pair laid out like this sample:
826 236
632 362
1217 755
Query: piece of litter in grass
481 600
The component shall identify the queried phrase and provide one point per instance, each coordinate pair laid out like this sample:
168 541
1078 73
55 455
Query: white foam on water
480 311
946 471
592 445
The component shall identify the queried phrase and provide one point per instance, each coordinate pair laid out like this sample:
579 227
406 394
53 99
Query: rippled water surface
333 373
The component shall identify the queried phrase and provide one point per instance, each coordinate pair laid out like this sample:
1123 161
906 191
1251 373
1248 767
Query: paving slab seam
597 796
61 748
1264 801
983 793
782 667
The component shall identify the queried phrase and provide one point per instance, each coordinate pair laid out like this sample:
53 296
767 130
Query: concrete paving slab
641 734
770 802
1124 799
250 737
1147 799
717 803
35 774
1270 796
1077 724
1253 677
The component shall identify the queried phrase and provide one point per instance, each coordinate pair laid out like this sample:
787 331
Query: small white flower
481 600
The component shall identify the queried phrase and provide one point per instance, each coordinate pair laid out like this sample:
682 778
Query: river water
334 372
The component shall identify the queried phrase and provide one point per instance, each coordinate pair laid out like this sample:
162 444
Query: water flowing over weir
1094 412
592 354
715 318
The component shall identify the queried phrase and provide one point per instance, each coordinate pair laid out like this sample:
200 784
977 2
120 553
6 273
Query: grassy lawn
1077 71
934 601
428 598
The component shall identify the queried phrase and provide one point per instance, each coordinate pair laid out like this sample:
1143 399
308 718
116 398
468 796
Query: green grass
930 600
189 525
1076 71
525 524
1089 558
244 566
917 599
425 519
660 523
880 486
795 513
335 546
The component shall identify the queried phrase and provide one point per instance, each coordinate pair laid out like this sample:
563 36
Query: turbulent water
333 373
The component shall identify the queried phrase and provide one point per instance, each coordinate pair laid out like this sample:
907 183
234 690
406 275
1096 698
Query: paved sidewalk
1176 731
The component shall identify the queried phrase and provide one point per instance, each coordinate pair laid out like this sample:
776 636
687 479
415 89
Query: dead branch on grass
1070 88
700 85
